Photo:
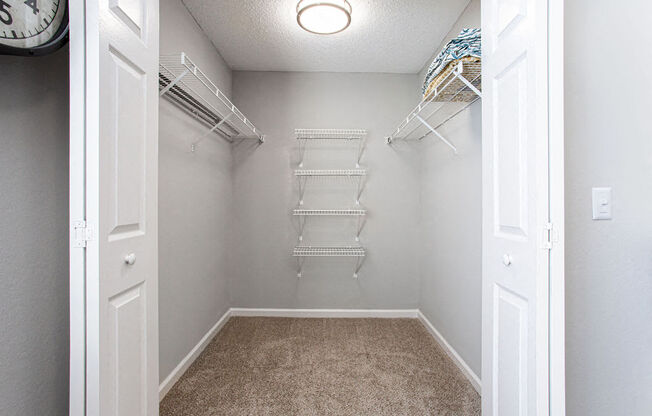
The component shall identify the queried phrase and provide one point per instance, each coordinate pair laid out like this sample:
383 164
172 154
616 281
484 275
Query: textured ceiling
385 35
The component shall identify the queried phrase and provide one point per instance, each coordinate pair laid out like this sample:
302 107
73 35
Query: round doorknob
507 260
130 259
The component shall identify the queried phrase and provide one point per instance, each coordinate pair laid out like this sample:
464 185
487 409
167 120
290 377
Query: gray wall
34 235
266 192
195 191
608 263
451 223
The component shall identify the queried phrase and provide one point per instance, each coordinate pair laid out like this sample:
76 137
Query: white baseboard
183 366
326 313
450 351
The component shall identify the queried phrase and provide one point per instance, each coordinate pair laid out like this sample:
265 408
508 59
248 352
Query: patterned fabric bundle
467 44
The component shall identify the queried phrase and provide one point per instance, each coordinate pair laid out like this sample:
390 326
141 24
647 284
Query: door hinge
548 238
82 233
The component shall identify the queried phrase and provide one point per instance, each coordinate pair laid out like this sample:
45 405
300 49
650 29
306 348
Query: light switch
601 203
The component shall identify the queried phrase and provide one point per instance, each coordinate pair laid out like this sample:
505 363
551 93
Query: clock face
30 23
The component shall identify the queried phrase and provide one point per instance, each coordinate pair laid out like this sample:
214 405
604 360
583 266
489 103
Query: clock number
5 16
32 4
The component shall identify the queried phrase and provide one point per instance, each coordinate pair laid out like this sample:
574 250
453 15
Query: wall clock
32 27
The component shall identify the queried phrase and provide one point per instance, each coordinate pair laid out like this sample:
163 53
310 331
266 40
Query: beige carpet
290 366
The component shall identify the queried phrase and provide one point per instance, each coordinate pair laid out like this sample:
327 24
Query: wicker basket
452 88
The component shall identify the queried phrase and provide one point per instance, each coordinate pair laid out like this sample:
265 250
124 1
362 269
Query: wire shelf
329 212
344 251
330 172
305 136
181 81
330 134
461 86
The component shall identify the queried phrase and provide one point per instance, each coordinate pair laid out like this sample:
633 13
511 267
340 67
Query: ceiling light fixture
324 17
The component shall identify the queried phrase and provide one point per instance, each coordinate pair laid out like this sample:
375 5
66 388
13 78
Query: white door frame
77 257
77 210
557 297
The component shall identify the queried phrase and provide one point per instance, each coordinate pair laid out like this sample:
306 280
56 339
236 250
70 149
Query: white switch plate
601 203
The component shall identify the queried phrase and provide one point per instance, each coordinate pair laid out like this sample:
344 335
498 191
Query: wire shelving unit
182 82
330 172
303 215
355 174
330 134
455 92
301 252
329 212
307 135
340 251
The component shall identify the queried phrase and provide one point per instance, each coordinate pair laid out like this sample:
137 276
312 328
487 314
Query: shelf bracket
199 139
358 193
302 226
302 151
450 117
432 129
300 261
302 187
173 83
458 74
361 222
358 266
360 151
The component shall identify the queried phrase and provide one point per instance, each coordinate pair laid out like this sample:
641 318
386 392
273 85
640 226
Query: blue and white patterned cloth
467 43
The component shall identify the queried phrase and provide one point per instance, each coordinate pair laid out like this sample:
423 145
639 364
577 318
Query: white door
515 208
120 60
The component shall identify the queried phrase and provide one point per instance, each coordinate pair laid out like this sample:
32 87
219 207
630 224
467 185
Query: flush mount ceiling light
324 17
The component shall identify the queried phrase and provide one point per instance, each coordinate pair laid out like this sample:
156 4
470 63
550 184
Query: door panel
507 15
131 13
127 323
510 352
128 88
510 151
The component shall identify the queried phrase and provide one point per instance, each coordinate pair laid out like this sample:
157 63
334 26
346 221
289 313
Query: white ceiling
385 35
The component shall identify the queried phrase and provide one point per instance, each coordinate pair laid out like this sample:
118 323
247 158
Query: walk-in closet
301 187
